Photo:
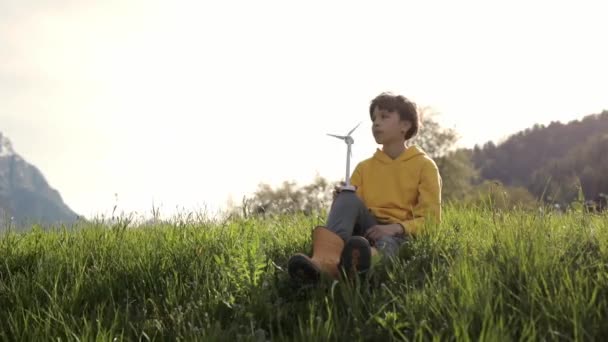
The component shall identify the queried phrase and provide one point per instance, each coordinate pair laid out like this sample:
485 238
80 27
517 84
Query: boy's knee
348 197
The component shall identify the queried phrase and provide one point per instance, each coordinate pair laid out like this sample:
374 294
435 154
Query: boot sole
356 256
303 270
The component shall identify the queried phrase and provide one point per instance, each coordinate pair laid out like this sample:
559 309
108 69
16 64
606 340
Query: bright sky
185 103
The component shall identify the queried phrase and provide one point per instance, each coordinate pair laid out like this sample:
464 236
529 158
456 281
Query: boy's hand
381 230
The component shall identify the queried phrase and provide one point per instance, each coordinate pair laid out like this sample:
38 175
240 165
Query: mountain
25 194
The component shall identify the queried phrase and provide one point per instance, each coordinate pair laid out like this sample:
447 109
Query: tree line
558 164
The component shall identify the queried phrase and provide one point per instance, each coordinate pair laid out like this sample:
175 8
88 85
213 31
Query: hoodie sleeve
429 200
356 179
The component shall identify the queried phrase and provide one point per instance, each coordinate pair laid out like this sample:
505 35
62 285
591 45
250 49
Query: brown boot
327 247
358 256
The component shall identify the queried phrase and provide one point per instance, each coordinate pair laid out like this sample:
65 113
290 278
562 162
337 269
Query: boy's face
388 127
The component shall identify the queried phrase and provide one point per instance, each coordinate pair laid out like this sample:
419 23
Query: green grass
480 275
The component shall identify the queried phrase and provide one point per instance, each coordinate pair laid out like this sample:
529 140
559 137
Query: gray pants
349 216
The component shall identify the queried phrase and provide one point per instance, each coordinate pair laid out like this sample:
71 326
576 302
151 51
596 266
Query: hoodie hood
409 153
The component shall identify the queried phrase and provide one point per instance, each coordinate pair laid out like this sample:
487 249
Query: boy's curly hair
407 110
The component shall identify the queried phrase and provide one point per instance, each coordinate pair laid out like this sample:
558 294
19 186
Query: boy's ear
405 126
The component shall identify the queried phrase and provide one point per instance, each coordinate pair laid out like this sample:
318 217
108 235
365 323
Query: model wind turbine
349 141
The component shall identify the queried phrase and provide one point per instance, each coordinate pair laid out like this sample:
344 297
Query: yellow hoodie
406 190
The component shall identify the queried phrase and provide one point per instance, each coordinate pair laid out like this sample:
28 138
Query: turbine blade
336 136
352 130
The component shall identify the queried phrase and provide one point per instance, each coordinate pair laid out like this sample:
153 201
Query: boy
397 190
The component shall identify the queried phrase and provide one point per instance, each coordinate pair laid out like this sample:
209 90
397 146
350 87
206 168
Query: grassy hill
481 274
